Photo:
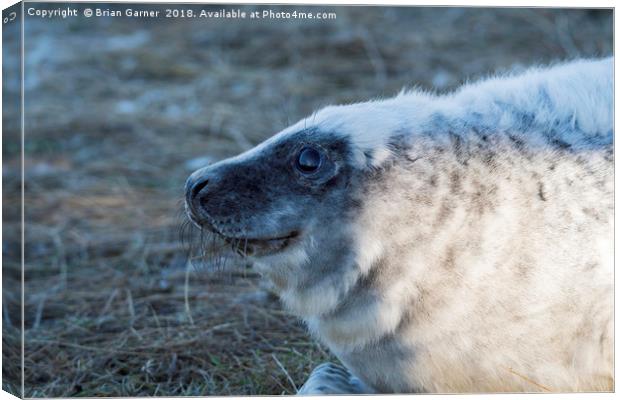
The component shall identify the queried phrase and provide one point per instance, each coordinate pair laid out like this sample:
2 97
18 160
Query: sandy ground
119 111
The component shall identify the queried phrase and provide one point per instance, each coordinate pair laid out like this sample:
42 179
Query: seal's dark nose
195 192
197 188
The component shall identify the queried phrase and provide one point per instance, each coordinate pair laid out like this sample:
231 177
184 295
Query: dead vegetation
120 111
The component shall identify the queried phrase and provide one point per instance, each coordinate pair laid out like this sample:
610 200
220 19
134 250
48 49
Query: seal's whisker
216 253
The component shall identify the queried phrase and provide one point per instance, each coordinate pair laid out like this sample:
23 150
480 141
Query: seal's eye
309 160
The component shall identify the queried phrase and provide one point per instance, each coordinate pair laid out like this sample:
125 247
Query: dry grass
222 337
115 110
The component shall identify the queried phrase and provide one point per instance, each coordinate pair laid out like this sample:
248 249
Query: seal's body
456 243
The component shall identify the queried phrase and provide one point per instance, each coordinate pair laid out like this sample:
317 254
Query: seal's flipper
330 378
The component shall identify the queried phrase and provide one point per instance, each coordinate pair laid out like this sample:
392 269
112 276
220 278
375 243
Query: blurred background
119 111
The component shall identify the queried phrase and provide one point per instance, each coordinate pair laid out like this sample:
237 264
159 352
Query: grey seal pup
439 243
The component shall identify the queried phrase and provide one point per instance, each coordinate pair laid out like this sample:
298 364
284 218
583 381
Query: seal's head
272 197
293 205
282 203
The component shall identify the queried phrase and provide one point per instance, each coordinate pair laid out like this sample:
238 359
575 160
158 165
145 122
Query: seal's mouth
256 247
250 246
246 245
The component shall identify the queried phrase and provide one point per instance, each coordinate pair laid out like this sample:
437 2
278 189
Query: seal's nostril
198 187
